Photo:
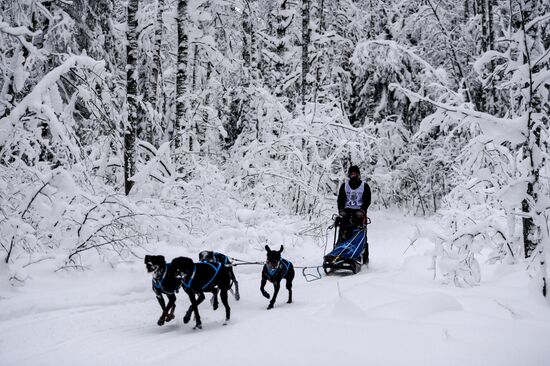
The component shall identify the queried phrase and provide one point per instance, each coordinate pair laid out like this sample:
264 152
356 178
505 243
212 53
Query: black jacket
354 185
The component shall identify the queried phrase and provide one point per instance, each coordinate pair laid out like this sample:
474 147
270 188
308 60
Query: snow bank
391 313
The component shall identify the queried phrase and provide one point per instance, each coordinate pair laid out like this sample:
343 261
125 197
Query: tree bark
246 37
131 97
531 231
280 49
181 75
305 53
484 35
152 91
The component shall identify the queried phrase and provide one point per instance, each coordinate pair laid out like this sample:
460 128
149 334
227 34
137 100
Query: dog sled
349 253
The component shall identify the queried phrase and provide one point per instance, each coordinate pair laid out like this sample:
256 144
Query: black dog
163 285
215 257
197 278
275 269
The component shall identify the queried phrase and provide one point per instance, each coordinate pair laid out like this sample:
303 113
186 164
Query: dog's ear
161 259
147 258
267 248
281 250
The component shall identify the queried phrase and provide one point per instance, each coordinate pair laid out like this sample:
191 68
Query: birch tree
151 95
181 75
131 97
305 51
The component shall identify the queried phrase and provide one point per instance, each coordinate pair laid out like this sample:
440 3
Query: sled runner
350 252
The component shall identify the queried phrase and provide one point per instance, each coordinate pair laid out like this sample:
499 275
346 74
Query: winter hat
354 169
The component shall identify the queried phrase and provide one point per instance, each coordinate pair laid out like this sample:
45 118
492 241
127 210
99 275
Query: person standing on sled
354 199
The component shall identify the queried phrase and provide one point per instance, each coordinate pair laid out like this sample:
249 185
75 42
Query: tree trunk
253 49
246 38
181 75
280 48
531 231
194 127
320 50
248 115
131 97
491 46
152 91
484 35
305 53
194 81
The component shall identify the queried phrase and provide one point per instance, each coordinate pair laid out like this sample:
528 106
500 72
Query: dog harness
215 266
158 283
272 274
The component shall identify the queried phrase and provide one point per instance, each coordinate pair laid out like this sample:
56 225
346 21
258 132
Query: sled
349 254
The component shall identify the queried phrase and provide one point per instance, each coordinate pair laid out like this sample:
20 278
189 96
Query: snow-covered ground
392 313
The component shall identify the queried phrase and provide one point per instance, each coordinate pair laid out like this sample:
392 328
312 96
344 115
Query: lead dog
275 269
197 278
163 285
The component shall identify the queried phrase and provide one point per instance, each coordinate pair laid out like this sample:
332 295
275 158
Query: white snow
392 313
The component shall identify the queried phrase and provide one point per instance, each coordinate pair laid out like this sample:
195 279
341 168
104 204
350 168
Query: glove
343 213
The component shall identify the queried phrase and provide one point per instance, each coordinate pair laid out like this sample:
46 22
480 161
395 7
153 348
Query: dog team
213 273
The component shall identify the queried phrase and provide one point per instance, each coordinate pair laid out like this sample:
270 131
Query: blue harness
272 273
157 283
215 266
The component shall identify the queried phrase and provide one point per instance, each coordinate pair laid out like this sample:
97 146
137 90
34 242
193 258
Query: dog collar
273 272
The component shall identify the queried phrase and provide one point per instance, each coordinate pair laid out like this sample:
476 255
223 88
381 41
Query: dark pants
346 223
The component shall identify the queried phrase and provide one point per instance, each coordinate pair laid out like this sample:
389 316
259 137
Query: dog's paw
266 294
237 296
169 317
289 302
160 321
198 326
270 306
186 318
226 322
215 306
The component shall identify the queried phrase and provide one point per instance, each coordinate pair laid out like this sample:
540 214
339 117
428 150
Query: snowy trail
392 313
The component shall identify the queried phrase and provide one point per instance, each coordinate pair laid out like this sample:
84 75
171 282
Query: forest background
127 123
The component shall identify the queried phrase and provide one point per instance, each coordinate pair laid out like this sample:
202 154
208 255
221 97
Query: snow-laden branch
513 130
16 31
34 100
537 20
20 33
437 74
